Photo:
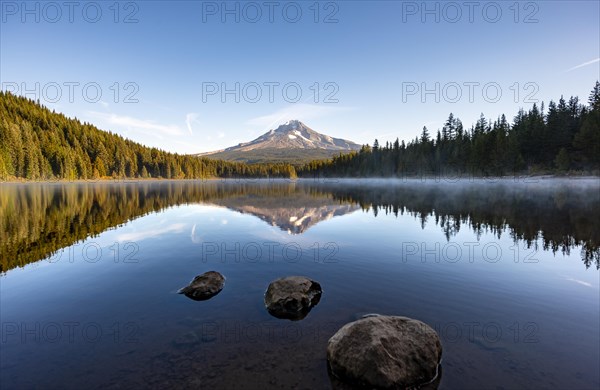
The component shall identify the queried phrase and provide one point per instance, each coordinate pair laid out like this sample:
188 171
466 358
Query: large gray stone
385 352
204 286
292 297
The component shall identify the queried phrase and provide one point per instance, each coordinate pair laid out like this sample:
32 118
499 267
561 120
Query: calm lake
506 271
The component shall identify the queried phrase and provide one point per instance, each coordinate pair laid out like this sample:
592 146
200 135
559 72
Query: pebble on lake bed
292 297
385 352
204 286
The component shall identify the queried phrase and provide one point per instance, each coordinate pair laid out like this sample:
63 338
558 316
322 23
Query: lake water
505 271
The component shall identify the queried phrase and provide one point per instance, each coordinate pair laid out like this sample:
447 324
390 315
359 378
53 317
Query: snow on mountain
293 135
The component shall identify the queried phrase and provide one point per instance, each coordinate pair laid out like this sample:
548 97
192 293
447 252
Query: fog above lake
560 214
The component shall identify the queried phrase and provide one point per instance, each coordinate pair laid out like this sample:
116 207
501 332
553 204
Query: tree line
495 208
563 138
39 144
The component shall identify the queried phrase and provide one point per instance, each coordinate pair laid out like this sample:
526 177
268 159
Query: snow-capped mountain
291 135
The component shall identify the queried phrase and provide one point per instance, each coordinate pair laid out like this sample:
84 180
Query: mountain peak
293 124
292 135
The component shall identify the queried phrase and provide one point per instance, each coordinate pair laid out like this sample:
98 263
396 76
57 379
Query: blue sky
369 60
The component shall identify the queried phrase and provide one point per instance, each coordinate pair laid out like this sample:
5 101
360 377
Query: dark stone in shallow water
292 297
204 286
384 352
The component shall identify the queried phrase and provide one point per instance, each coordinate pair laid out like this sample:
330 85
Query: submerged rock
384 352
204 286
292 297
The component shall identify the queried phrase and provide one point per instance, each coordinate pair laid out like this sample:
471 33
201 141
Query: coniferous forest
562 138
40 144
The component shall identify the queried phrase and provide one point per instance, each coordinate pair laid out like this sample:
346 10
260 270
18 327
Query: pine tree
562 160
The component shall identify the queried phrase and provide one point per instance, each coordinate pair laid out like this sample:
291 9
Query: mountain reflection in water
36 220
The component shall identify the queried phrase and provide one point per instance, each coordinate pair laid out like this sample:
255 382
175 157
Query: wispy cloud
584 64
151 233
298 111
130 123
196 239
580 282
190 118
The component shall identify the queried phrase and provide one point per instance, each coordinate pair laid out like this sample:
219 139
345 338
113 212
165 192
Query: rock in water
385 352
204 286
292 297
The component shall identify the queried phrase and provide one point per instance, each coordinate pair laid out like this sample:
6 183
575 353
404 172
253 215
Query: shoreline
439 179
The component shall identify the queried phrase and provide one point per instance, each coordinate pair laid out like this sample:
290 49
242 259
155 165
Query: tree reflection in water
36 220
